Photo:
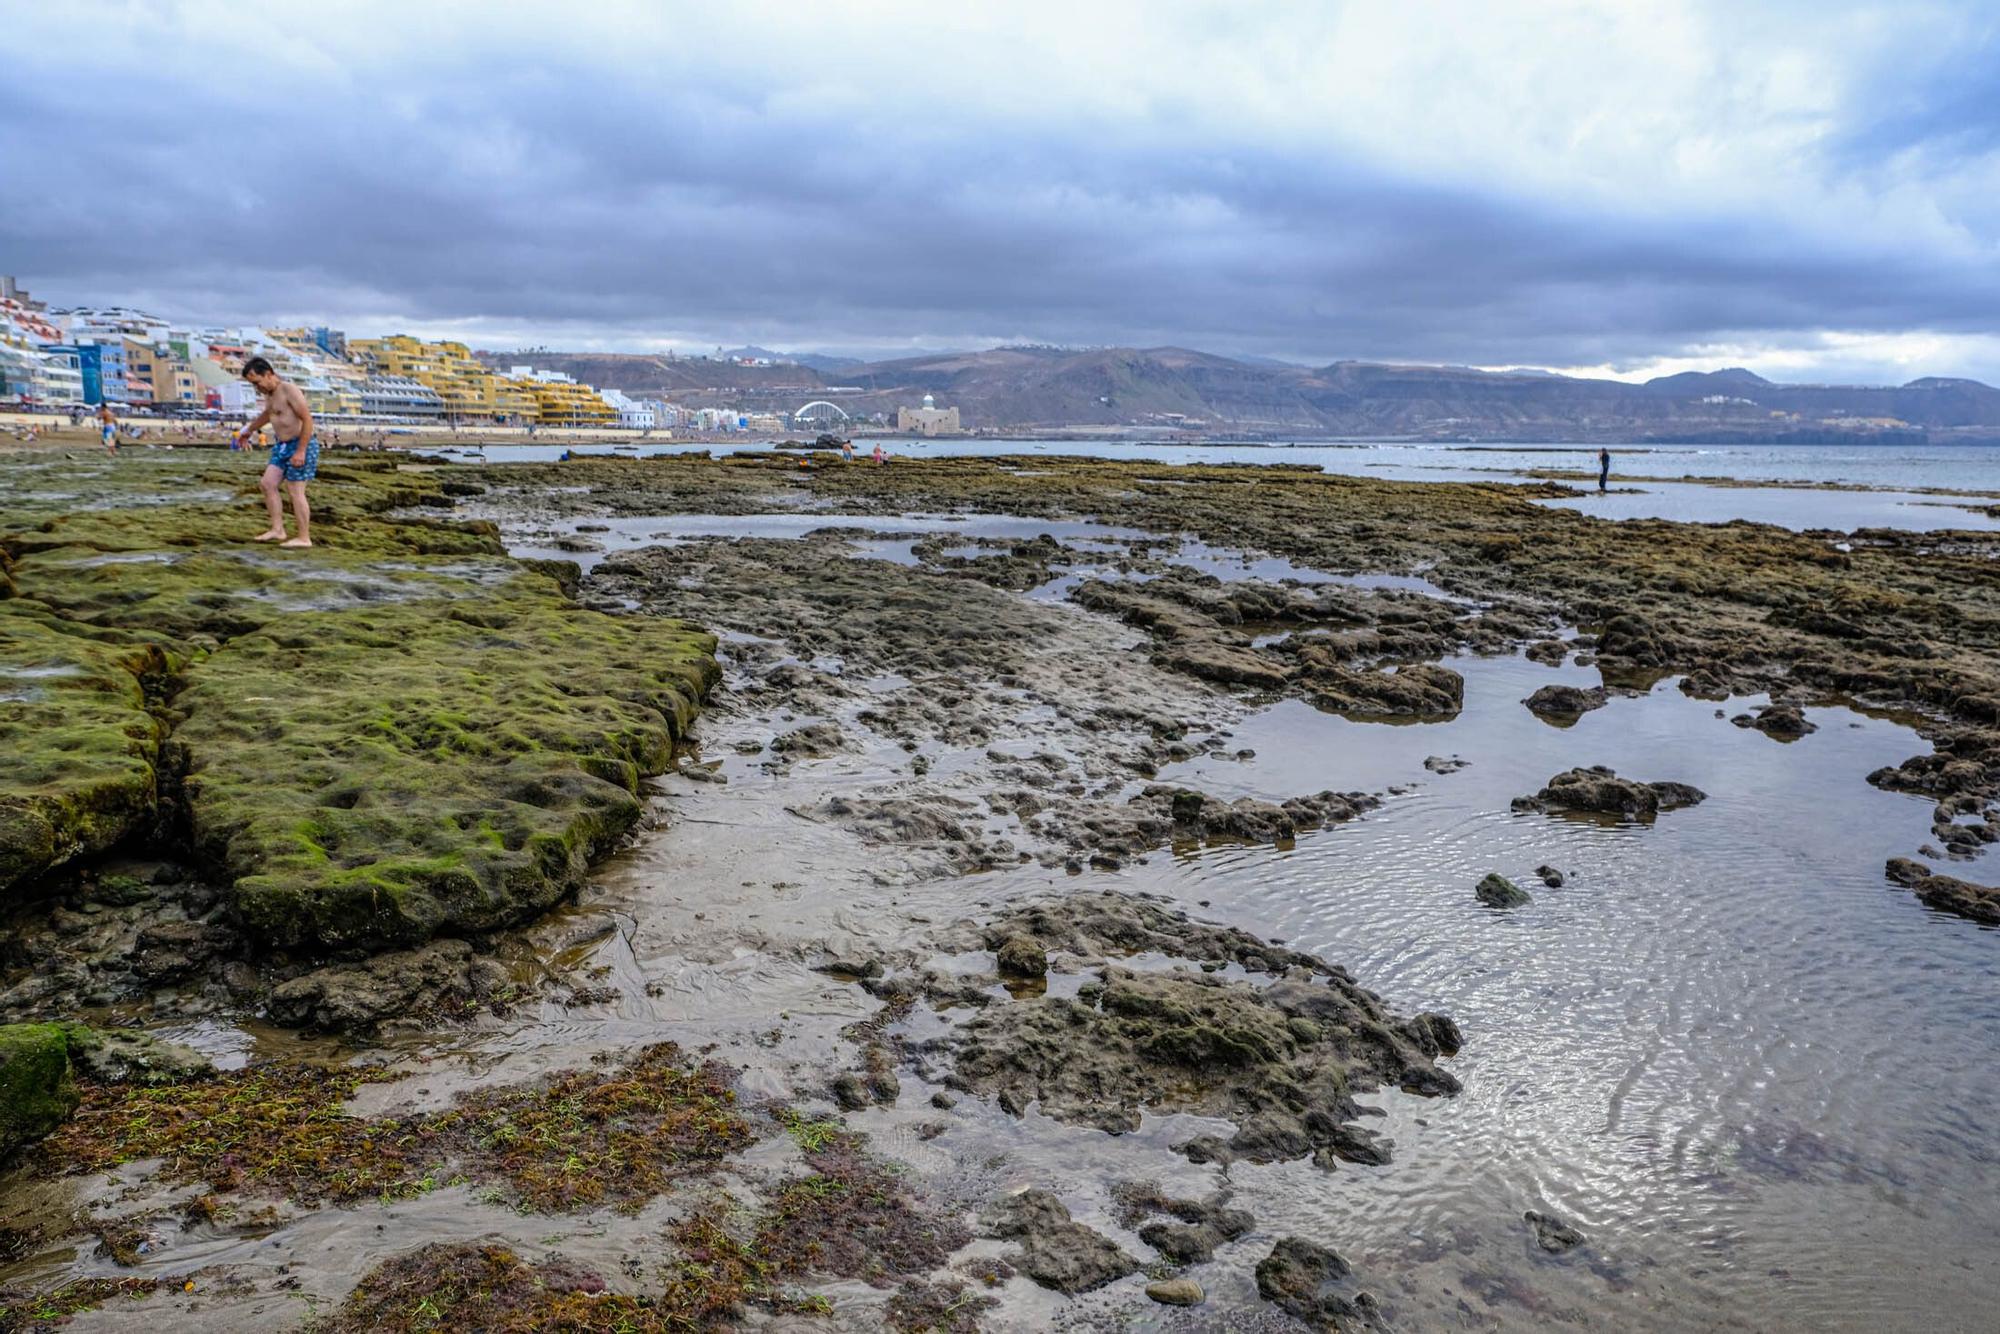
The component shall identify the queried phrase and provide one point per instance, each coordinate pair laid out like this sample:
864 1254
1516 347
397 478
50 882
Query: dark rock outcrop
1553 1234
1566 702
1781 722
1980 903
1599 791
1497 891
1054 1250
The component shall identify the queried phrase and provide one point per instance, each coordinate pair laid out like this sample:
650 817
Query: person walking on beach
294 459
1603 468
107 428
879 456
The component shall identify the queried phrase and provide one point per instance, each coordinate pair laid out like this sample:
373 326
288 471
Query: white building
107 322
632 414
930 419
666 415
235 396
54 379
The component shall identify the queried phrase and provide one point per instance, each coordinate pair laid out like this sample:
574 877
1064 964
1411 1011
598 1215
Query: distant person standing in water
294 458
107 427
879 456
1603 468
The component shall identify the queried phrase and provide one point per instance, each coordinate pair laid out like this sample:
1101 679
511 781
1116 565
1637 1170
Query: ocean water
1958 467
1647 479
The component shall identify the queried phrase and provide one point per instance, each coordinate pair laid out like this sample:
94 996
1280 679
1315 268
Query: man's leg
302 512
268 484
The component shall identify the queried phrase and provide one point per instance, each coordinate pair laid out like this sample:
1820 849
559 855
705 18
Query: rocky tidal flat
983 893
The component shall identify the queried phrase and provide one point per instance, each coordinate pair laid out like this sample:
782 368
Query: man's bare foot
273 535
297 542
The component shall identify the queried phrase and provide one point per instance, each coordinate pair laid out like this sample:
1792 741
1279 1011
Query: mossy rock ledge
37 1091
374 778
399 733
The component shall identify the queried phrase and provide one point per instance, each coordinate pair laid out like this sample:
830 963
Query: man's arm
305 423
256 423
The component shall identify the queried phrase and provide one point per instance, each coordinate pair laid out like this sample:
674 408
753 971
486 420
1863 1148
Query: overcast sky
1807 189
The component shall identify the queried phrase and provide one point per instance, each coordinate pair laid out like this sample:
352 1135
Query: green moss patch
375 777
37 1091
615 1136
80 745
398 733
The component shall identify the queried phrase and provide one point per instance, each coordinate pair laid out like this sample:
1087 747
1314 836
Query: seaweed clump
576 1140
852 1216
488 1287
24 1312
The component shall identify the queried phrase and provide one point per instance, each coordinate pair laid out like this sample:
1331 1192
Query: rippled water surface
1758 1076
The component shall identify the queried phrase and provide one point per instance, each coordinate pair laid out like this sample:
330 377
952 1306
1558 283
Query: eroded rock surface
1981 903
1282 1059
1599 791
1054 1250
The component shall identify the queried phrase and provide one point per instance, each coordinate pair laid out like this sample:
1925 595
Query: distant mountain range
1165 390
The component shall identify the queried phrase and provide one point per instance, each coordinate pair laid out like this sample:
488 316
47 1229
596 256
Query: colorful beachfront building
567 403
155 373
51 377
468 388
102 365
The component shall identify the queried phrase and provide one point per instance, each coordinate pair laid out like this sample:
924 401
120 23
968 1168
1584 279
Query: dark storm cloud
604 200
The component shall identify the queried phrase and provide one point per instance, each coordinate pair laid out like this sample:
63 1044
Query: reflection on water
1752 1072
1798 510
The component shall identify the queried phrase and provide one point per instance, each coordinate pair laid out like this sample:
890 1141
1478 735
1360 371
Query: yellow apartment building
569 404
171 378
467 387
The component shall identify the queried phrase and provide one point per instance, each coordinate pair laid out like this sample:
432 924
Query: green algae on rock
375 777
37 1091
80 742
399 733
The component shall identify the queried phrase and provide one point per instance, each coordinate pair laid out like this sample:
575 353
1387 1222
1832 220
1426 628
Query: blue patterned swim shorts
281 457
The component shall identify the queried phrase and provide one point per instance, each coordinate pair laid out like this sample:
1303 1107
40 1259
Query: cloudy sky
1808 189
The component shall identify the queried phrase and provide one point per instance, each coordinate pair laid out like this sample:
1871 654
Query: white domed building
930 419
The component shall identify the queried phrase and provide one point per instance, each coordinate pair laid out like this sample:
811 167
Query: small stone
1023 956
1550 876
1175 1292
944 1102
850 1092
1497 891
1552 1233
1566 701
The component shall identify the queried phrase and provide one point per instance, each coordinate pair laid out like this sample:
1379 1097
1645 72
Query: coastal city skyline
1619 191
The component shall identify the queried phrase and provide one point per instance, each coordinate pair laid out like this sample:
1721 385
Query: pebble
1175 1292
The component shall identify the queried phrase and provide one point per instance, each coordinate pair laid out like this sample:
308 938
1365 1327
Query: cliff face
1170 387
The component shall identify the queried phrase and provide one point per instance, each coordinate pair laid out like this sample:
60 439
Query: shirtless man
107 428
294 458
